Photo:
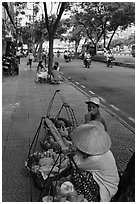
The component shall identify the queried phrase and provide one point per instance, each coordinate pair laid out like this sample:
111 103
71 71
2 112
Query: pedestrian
69 55
73 54
56 66
44 57
93 106
30 58
18 54
66 55
95 174
58 53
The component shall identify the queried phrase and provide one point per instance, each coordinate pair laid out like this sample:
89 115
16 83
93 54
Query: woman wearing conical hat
94 155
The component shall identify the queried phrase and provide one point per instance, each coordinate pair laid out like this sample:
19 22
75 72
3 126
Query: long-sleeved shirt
104 171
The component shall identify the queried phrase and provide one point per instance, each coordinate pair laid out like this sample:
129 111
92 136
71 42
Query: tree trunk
50 57
40 51
51 31
76 46
104 38
111 38
35 51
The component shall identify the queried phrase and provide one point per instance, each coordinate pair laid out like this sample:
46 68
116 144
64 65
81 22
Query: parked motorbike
10 65
5 66
87 62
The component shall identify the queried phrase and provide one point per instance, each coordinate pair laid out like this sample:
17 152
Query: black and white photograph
68 101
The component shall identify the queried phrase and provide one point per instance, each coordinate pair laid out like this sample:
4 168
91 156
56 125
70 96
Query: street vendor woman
93 155
93 106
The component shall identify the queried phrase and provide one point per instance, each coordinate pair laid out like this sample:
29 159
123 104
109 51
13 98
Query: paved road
115 86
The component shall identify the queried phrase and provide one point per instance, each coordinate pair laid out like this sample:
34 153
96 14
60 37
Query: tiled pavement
23 104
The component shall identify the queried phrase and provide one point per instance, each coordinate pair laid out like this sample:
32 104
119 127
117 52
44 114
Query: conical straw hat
91 139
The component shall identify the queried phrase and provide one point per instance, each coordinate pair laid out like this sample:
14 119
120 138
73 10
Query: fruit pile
65 193
50 143
41 163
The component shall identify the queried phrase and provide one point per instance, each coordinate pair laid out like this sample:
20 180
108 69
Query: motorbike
110 61
10 65
87 62
58 54
67 58
5 66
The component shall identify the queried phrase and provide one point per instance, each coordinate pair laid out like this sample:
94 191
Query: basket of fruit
44 166
50 144
63 191
54 130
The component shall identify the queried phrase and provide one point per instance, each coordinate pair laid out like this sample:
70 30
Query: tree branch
58 9
5 5
62 8
46 16
112 37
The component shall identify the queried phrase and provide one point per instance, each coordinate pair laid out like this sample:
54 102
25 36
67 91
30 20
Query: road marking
77 82
114 107
83 86
132 119
102 99
92 92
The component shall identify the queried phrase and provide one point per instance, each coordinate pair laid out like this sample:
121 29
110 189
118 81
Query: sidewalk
24 103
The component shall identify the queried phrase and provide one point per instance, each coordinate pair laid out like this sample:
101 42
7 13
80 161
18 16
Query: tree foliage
122 41
99 18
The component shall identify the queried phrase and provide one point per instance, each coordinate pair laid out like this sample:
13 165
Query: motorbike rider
66 55
110 58
58 53
87 59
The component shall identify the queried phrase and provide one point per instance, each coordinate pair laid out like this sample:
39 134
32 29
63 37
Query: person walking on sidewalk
93 105
30 58
18 54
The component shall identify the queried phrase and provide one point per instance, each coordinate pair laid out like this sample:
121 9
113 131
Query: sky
29 10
